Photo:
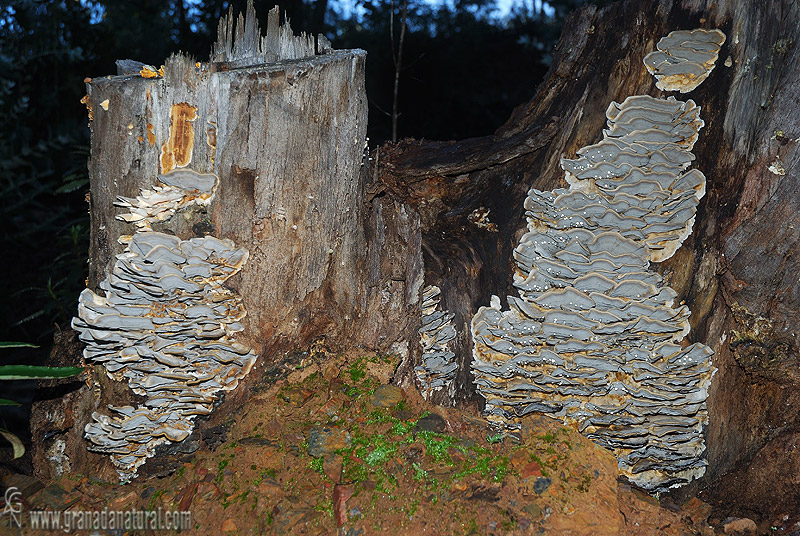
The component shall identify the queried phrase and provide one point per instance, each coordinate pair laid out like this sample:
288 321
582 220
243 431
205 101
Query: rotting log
737 272
281 121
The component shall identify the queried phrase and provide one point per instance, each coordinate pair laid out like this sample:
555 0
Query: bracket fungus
595 337
684 58
164 323
438 368
181 188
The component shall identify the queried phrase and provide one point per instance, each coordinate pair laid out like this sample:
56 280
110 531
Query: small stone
530 469
332 466
402 414
740 526
186 496
431 423
149 490
296 396
228 525
518 459
475 422
456 455
324 440
340 495
290 517
481 492
412 454
272 429
541 485
386 396
28 485
533 510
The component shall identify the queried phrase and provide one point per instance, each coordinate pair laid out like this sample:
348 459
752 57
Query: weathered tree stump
272 132
458 206
738 270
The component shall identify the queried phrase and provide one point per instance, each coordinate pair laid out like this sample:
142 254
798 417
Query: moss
357 371
585 483
437 446
496 438
325 506
420 474
155 497
316 465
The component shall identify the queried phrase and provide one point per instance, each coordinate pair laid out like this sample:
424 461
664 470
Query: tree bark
737 271
450 213
282 126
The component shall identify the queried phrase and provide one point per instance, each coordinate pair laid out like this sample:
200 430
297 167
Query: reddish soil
333 449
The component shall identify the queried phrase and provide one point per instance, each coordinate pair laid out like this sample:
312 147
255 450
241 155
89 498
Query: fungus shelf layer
164 324
595 337
684 58
438 368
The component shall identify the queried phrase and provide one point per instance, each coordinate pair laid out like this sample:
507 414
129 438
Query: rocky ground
332 448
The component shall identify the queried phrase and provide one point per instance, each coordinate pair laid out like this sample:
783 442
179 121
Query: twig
398 62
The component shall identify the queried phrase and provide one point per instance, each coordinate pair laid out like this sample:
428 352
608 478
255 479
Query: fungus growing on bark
181 188
438 368
684 58
595 338
164 324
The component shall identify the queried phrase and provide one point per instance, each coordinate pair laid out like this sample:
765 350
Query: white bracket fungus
684 58
595 338
438 368
164 324
181 188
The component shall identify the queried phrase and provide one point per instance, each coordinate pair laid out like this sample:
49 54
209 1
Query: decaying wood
283 127
738 272
276 134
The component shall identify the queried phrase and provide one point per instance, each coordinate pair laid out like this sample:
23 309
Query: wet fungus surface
595 338
181 188
438 368
164 323
684 58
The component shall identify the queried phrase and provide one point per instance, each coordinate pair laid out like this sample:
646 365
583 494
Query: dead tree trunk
261 147
738 272
461 203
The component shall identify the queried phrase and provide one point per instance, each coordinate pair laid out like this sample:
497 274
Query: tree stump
448 214
738 270
255 157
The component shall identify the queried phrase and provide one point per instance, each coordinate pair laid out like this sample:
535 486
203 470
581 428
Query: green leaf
19 448
17 345
72 185
7 402
32 372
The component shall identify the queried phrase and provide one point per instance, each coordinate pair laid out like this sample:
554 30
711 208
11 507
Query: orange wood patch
177 151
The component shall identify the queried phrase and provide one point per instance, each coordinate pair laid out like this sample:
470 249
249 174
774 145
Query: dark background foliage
464 69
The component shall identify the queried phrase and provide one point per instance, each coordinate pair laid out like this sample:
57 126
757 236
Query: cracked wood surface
738 272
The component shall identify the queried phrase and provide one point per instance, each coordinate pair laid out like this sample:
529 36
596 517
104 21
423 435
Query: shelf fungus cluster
438 368
181 188
684 58
595 337
164 323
